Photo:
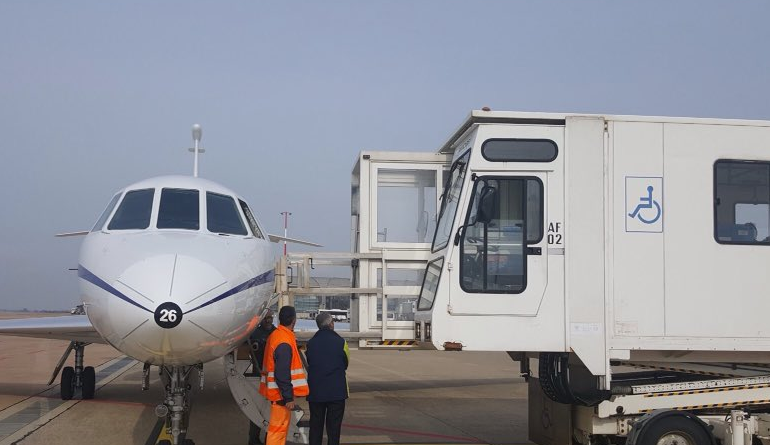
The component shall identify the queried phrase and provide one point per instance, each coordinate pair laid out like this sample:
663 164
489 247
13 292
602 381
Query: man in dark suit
327 359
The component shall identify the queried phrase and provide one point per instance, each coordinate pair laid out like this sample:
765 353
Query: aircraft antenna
285 229
197 133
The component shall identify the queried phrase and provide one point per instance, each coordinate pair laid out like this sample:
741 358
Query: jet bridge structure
394 202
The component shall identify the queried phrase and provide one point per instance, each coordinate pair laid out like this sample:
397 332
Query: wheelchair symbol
646 203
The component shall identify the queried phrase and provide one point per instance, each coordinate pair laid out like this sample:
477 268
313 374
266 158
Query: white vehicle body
337 314
595 280
622 260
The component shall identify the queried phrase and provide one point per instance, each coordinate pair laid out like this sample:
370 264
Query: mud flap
550 423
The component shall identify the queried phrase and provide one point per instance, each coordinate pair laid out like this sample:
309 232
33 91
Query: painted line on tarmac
156 431
23 418
159 433
412 433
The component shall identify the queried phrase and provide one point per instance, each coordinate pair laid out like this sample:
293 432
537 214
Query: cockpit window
252 221
223 216
179 209
106 214
134 211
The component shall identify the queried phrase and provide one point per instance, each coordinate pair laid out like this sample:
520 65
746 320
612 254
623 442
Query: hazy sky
97 95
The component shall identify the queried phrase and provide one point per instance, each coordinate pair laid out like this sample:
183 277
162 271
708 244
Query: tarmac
396 397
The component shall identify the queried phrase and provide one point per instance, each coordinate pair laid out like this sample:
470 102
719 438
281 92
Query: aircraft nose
172 284
170 287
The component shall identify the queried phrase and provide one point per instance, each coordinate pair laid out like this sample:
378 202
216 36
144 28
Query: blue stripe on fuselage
256 281
93 279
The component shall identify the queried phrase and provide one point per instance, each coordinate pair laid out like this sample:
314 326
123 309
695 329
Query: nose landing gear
175 408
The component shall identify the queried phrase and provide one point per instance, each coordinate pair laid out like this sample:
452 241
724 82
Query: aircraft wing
68 327
278 239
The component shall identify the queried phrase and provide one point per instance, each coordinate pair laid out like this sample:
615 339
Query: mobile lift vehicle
622 260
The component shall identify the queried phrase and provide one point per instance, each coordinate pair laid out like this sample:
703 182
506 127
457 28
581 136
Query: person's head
324 320
287 316
267 320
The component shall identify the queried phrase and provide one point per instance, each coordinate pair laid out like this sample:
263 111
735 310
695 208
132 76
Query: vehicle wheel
674 430
89 382
67 386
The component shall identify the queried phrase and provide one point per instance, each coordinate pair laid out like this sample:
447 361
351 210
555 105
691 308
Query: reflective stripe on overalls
267 385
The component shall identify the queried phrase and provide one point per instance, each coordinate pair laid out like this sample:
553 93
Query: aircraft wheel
89 382
67 386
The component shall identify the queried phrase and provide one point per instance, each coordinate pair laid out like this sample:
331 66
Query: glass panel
406 205
755 218
222 215
742 202
430 286
252 221
534 211
400 307
355 194
449 201
492 249
179 209
401 276
134 211
519 150
306 305
106 214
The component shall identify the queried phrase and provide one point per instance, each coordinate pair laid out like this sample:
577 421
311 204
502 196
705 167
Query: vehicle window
430 285
223 216
534 211
742 202
493 248
252 221
134 211
519 150
449 201
179 209
106 213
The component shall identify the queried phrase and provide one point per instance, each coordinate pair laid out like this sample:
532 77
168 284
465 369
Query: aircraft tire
67 386
89 382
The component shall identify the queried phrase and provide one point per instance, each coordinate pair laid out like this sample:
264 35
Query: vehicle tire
89 382
67 386
675 430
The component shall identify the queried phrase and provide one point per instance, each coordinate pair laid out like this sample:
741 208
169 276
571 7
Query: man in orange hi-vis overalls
283 377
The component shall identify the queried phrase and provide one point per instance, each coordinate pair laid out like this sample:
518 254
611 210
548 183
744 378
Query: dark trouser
253 434
329 413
